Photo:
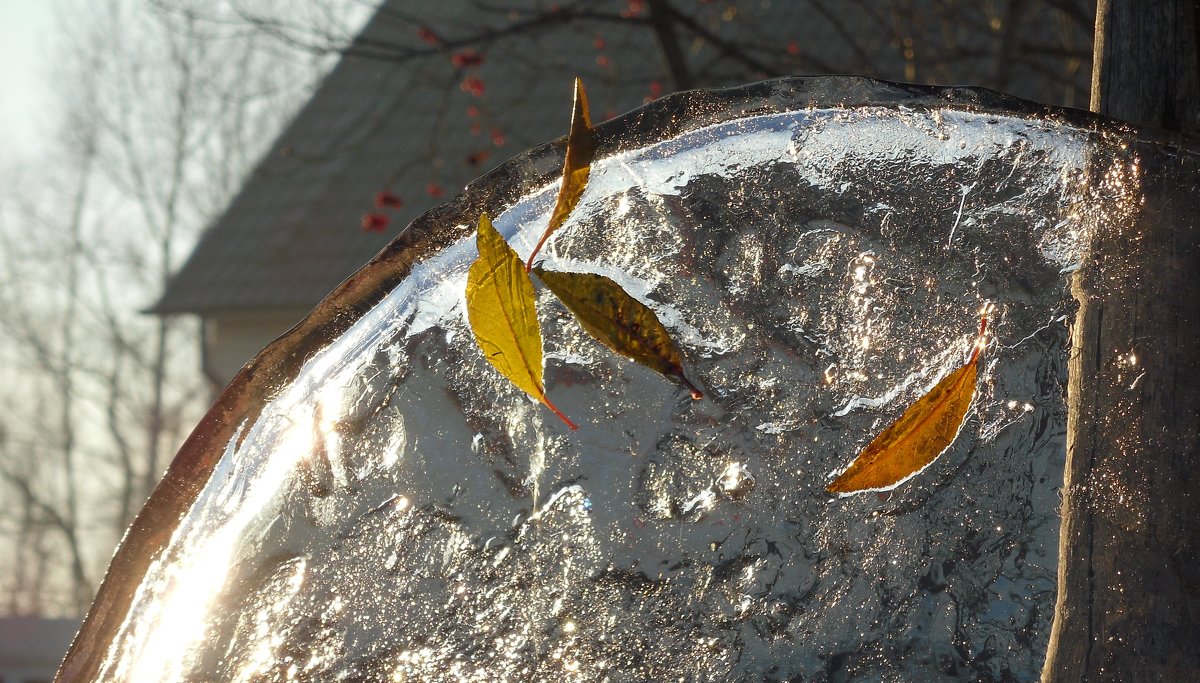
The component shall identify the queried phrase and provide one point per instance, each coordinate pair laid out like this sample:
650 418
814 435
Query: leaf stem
554 409
536 249
979 339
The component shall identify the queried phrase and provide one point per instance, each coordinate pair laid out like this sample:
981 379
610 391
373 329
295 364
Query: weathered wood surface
1145 63
1129 563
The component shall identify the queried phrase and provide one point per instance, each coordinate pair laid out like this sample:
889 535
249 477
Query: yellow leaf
923 432
503 315
581 146
619 321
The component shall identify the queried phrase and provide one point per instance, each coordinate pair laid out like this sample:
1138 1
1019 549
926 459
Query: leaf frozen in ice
581 146
619 321
923 432
503 315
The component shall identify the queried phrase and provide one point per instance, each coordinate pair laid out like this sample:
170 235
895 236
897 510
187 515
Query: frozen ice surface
400 512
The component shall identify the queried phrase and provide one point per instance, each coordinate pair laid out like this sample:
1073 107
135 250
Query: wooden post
1129 555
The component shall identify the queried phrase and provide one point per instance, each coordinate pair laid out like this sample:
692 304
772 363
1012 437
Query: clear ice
400 512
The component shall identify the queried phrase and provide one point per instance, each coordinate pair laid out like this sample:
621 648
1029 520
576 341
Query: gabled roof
404 119
294 230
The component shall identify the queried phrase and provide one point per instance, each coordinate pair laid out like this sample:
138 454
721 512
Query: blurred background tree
1036 49
158 119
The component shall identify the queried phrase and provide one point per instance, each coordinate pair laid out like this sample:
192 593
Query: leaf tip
844 487
836 487
485 223
582 101
677 373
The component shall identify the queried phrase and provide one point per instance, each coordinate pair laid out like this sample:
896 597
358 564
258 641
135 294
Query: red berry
434 190
466 58
428 36
472 85
385 199
374 222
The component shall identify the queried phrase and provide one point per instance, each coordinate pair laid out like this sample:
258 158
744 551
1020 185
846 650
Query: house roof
404 119
294 231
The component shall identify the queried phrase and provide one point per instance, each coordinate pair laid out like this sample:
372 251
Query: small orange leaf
581 147
503 315
923 432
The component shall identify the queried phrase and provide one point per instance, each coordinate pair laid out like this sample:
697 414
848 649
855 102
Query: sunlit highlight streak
196 578
175 613
265 641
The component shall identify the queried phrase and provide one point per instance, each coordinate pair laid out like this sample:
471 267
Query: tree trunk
1129 561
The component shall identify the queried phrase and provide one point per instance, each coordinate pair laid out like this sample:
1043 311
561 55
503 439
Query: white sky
26 41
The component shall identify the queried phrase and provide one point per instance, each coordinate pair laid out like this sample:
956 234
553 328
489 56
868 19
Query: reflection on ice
400 512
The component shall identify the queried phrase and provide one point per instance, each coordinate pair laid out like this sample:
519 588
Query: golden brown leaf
619 321
503 315
923 432
581 147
